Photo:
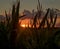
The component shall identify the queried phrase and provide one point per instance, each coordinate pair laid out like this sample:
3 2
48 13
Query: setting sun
23 25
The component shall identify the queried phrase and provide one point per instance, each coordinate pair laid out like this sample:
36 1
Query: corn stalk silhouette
7 18
38 14
45 19
53 16
42 24
14 24
54 21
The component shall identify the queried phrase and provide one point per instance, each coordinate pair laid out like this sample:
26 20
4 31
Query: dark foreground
29 38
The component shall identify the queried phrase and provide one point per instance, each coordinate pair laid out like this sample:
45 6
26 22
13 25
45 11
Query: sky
28 4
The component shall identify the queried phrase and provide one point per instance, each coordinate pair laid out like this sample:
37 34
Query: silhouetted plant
7 18
42 24
34 21
15 23
53 18
38 14
54 21
15 20
51 15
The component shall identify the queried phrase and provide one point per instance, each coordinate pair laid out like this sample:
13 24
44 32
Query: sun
23 25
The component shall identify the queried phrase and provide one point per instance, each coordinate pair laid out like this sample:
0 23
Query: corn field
12 36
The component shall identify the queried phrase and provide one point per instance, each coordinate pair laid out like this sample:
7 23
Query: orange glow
23 25
26 23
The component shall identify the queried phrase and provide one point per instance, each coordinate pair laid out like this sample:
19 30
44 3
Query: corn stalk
15 23
52 18
42 24
15 20
54 21
7 18
38 14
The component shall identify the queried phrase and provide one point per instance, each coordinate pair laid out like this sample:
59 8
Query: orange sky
27 21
